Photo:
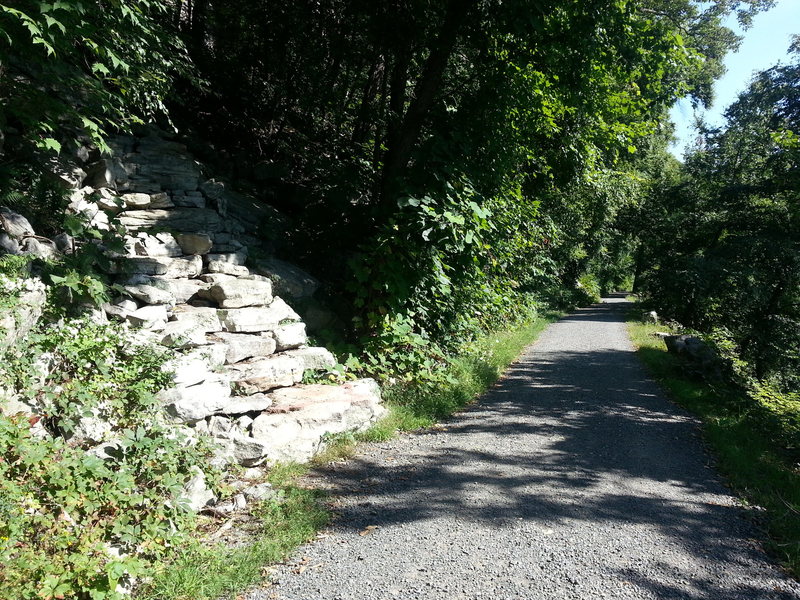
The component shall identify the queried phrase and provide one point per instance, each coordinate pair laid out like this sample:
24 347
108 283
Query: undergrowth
748 433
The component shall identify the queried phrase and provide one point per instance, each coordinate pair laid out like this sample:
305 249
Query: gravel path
572 478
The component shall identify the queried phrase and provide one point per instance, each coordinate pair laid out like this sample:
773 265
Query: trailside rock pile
241 351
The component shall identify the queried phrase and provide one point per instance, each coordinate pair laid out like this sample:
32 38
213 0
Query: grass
211 572
208 572
469 375
750 452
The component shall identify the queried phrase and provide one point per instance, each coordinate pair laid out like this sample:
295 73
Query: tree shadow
568 439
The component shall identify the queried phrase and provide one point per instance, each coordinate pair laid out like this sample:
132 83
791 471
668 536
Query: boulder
289 336
190 220
295 427
245 345
315 359
190 404
238 293
194 243
149 317
264 373
257 319
239 405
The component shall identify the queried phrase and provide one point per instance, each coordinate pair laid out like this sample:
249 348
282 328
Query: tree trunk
402 143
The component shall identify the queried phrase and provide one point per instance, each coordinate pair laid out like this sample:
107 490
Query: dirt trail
572 478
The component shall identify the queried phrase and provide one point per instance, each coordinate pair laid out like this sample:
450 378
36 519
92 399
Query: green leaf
51 144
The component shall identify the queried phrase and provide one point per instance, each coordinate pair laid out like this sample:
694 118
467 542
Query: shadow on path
569 440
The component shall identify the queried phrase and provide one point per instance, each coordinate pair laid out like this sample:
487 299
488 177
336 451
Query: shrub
77 521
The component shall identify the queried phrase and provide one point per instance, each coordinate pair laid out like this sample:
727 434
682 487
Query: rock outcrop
241 352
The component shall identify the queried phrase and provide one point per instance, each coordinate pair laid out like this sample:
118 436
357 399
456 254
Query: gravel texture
573 477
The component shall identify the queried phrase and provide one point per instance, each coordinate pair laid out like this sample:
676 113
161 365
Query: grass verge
752 459
211 572
469 375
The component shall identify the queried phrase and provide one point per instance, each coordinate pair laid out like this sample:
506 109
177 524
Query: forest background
461 163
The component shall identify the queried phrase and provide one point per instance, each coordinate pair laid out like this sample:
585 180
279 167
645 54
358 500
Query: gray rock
234 258
188 201
194 243
38 247
8 245
227 268
243 423
289 336
237 293
213 353
161 244
64 243
236 504
217 277
245 345
189 266
104 198
107 172
260 492
242 449
257 319
14 224
16 324
92 429
295 427
91 211
288 280
315 359
149 317
282 438
182 334
189 220
201 318
262 374
238 405
219 425
136 200
161 200
150 294
190 404
196 494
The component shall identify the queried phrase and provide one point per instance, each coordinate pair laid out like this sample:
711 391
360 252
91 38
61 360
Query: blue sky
765 43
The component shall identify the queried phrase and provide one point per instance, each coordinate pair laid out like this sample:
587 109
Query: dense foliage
456 160
722 241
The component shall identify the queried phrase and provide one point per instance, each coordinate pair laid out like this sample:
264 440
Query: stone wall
195 274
